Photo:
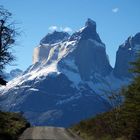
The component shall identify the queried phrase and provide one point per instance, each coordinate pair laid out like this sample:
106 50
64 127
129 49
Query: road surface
48 133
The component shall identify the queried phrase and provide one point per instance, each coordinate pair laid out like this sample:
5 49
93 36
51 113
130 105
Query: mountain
126 54
66 80
90 49
12 74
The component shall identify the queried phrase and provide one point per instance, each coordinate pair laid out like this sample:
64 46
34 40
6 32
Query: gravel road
48 133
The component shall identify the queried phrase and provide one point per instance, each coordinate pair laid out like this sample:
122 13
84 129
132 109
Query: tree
8 34
7 37
2 81
131 107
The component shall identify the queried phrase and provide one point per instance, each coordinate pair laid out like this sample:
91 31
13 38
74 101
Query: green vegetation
122 122
12 125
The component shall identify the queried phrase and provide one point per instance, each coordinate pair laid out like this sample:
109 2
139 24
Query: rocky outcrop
54 37
41 53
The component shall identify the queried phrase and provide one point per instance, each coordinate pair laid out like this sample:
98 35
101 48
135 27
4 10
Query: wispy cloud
66 29
53 28
115 10
56 28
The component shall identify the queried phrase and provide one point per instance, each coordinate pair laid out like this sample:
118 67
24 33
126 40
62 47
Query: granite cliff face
126 53
42 51
90 55
68 74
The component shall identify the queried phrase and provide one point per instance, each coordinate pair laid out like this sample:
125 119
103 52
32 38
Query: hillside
122 122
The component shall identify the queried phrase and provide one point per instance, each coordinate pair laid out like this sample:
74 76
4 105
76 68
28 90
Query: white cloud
56 28
66 29
53 28
115 10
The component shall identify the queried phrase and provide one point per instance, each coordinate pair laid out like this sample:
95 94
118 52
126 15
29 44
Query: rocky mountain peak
83 47
87 32
90 23
126 53
54 37
131 44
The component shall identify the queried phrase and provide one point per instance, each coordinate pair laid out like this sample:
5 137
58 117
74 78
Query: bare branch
8 34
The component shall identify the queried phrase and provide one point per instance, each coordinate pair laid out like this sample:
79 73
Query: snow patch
105 84
68 99
33 89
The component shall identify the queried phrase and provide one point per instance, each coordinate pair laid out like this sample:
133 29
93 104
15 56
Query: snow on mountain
65 82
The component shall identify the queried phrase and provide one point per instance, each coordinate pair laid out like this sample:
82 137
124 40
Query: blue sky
116 20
